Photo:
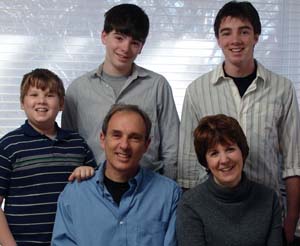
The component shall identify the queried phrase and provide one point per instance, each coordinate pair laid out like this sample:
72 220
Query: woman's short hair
218 129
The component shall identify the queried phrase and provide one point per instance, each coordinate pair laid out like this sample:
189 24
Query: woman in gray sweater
228 208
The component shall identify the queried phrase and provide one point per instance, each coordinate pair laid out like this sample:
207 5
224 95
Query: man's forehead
126 119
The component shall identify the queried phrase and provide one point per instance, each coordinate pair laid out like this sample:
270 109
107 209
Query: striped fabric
33 171
268 113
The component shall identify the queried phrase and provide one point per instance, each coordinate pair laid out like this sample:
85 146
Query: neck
49 131
112 71
119 176
241 70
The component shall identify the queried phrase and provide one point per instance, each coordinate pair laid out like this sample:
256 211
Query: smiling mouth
123 156
226 169
41 110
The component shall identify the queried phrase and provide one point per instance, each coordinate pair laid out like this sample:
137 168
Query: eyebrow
240 28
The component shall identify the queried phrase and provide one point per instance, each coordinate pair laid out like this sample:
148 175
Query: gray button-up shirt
89 98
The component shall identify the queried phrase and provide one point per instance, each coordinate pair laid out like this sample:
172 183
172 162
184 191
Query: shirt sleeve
168 121
69 114
189 227
275 235
170 237
289 134
190 172
168 125
89 159
5 172
63 231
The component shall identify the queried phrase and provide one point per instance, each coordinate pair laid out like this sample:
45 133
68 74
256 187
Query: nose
41 99
126 45
124 143
236 38
223 157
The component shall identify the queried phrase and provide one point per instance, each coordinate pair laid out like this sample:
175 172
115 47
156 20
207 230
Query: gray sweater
247 215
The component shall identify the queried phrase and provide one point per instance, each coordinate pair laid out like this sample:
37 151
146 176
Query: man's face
124 145
237 41
121 51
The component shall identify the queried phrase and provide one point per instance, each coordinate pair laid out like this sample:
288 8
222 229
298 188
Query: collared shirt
89 98
268 113
88 215
34 169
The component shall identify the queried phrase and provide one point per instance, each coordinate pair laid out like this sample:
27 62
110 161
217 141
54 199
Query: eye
33 94
136 138
51 95
213 153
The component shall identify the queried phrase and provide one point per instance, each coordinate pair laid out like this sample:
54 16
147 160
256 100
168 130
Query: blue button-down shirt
88 215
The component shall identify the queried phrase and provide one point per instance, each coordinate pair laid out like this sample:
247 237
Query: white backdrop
63 35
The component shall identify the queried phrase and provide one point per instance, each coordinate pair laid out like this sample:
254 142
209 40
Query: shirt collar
30 131
135 181
220 76
137 71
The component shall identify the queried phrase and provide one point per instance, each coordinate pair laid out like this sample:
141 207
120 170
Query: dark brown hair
218 129
115 108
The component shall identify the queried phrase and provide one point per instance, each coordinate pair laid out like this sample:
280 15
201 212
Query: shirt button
121 222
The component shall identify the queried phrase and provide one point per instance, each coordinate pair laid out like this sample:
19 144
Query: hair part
218 129
241 10
115 108
43 79
127 19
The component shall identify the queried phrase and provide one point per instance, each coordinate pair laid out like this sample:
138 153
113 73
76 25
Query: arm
289 139
168 123
293 207
189 226
69 114
275 235
6 237
190 172
170 236
86 171
63 231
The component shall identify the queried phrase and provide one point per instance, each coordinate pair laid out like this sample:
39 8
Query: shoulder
13 136
160 182
271 77
150 75
263 192
82 80
196 194
204 81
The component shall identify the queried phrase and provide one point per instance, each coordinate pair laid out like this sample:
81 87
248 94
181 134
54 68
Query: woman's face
225 163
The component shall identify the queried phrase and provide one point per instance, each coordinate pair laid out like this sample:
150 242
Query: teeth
236 50
41 109
226 169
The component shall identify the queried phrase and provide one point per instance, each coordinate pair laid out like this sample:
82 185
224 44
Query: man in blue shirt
124 203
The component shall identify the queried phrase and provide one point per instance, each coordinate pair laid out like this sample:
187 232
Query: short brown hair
115 108
43 79
218 129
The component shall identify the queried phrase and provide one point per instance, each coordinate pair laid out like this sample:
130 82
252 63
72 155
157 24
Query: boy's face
121 51
41 108
237 41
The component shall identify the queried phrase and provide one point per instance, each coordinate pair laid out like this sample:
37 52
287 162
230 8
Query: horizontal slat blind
64 36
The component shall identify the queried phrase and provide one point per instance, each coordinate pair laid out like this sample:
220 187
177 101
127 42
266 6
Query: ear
103 37
256 38
147 144
61 104
102 140
141 48
22 105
